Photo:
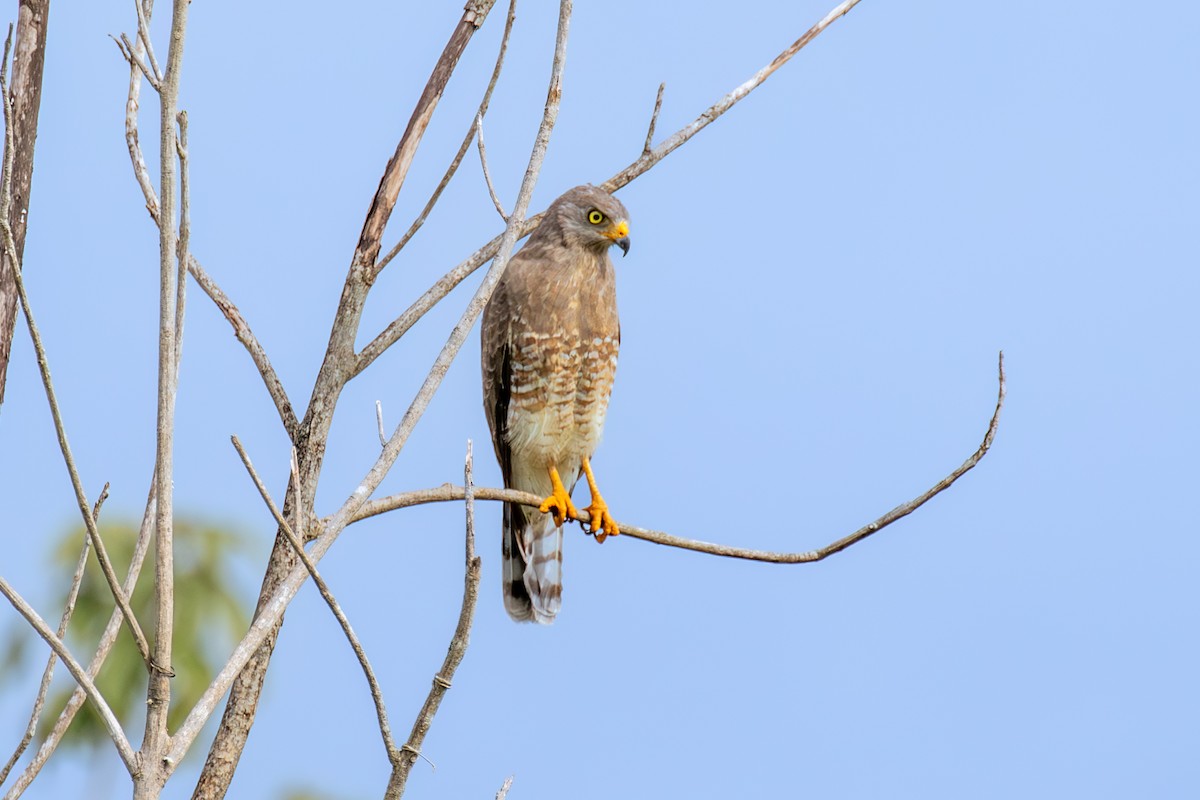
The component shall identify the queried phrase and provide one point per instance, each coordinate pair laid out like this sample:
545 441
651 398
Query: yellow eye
595 217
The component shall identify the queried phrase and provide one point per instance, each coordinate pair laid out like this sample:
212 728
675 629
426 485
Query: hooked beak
619 234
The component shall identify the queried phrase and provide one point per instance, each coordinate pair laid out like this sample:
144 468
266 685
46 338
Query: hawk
550 338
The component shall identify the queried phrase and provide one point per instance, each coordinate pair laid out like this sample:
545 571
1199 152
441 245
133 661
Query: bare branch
448 492
271 610
172 262
107 639
43 365
244 692
653 120
27 69
127 50
295 537
487 175
462 150
132 104
727 102
48 673
182 256
398 327
143 15
454 656
284 576
106 714
401 325
241 330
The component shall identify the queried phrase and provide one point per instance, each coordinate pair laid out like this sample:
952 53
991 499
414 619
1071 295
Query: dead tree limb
313 431
454 655
28 62
448 492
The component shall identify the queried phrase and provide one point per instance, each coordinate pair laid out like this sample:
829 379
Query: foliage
209 616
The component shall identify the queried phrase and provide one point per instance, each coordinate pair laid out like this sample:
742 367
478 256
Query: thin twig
654 120
271 610
107 639
109 719
462 150
172 262
487 175
458 646
48 673
449 492
132 103
295 536
143 16
130 55
432 296
284 574
241 330
673 142
185 232
44 367
398 327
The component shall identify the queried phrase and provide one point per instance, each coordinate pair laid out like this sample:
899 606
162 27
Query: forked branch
39 701
10 252
115 732
295 538
398 327
462 150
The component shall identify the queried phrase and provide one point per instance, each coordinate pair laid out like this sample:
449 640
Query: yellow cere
618 231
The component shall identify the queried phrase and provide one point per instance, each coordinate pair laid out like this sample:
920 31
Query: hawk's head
591 217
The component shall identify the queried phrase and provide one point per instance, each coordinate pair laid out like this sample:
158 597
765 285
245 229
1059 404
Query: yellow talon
558 504
602 522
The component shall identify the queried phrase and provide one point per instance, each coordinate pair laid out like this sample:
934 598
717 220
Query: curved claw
602 523
558 504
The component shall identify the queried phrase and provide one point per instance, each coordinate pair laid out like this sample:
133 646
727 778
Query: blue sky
811 310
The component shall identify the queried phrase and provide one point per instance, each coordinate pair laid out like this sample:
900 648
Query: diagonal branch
487 174
115 732
271 608
398 327
653 120
48 673
454 655
130 52
462 150
143 15
313 432
448 492
295 539
27 69
107 639
241 330
132 103
10 252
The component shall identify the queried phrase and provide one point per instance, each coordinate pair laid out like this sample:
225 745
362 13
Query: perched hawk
550 340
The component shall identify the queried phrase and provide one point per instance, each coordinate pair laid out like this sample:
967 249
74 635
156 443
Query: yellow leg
603 525
558 504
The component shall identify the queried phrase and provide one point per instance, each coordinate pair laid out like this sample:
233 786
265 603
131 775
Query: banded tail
532 562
